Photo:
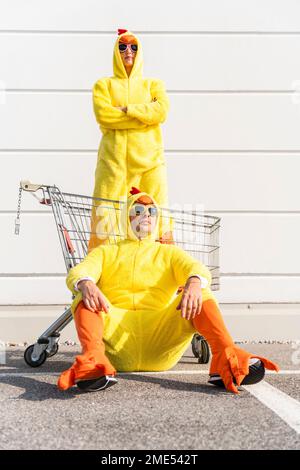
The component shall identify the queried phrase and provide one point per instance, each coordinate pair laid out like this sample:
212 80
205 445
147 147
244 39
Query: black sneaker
93 385
256 374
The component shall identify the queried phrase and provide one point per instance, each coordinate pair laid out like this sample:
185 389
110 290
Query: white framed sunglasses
140 209
123 47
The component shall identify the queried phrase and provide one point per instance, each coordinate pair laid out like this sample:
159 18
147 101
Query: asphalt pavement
176 409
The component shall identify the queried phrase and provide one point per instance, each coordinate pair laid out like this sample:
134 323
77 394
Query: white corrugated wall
232 141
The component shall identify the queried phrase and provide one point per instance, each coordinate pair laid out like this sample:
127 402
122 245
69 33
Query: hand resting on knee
92 297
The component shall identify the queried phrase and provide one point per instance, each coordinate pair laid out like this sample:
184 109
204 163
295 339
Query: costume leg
110 183
164 337
154 182
104 225
92 362
167 336
228 359
94 240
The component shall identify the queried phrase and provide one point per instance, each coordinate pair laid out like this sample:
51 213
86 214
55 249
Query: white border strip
284 406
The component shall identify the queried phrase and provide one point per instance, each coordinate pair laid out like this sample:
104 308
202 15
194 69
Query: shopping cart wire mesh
194 231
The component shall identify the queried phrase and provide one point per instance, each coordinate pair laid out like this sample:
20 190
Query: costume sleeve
90 267
185 266
87 278
109 116
204 281
154 112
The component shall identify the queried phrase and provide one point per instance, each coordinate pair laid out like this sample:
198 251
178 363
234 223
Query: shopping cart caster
36 354
34 359
200 349
53 351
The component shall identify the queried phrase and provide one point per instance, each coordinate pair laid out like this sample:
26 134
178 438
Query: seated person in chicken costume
127 313
129 109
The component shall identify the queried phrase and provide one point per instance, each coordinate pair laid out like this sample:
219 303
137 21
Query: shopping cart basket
195 232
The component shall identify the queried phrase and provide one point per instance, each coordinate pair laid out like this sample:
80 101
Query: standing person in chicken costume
129 110
127 313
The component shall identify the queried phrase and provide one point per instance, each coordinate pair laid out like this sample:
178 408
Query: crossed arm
133 116
154 112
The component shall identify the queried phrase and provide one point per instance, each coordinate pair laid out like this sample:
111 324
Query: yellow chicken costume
143 329
131 149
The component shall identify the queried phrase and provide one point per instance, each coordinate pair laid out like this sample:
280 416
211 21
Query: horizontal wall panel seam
207 211
150 33
170 92
166 151
227 275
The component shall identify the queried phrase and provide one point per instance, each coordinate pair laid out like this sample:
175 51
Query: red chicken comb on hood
134 190
144 199
121 31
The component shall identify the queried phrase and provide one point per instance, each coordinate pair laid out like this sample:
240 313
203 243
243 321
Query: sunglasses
123 47
141 210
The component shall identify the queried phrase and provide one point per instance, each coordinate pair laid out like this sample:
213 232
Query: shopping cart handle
26 185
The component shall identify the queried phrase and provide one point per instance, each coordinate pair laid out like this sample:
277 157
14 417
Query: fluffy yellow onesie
139 279
131 150
143 330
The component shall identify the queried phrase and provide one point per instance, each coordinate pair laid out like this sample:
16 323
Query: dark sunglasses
123 47
141 209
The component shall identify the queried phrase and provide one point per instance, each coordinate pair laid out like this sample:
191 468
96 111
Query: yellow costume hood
125 221
118 66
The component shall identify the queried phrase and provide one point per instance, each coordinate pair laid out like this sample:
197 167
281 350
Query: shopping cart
197 233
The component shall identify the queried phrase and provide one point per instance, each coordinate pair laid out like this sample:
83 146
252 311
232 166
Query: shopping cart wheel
53 351
34 362
195 345
205 353
200 349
